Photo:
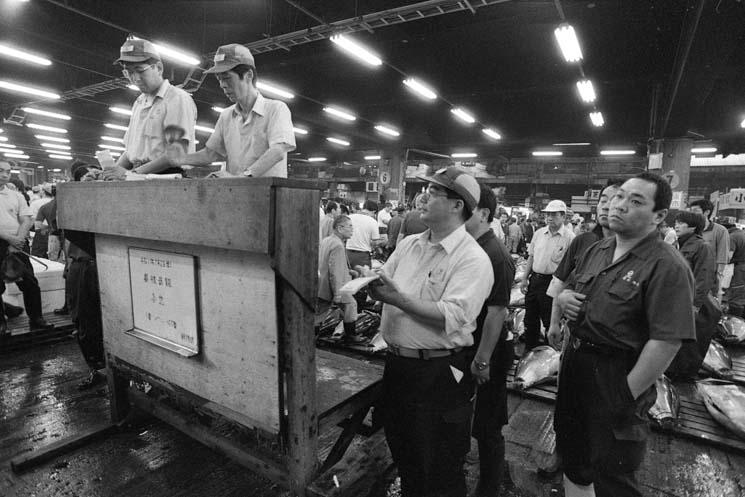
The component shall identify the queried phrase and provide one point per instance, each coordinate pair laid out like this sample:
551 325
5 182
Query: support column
394 190
676 167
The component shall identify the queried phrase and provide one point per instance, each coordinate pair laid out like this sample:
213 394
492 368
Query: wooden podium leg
118 386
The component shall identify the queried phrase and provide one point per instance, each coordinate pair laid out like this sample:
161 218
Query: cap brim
140 58
220 68
434 180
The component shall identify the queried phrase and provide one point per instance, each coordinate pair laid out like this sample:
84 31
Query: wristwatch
480 365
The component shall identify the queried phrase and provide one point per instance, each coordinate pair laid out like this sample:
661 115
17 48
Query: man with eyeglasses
163 116
254 134
433 288
545 252
15 223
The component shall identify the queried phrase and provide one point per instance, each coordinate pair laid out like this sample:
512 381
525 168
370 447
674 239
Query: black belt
358 251
541 275
424 354
582 344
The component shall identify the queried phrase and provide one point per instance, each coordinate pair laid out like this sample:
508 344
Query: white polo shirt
243 142
13 208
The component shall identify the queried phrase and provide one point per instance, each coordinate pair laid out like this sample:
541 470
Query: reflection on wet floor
40 404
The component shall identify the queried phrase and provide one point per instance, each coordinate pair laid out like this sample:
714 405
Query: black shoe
93 379
62 311
13 311
39 325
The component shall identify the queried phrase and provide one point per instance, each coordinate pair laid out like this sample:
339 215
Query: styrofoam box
51 282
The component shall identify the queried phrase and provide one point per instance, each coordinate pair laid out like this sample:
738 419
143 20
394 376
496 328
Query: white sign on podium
164 299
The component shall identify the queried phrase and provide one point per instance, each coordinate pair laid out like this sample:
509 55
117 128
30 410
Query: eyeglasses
136 72
433 191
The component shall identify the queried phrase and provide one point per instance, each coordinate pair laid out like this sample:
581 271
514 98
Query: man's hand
524 285
115 173
219 174
555 336
570 303
481 376
384 289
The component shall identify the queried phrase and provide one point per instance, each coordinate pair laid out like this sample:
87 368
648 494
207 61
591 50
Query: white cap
556 206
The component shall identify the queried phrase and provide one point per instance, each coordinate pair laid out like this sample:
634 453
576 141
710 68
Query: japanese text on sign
164 303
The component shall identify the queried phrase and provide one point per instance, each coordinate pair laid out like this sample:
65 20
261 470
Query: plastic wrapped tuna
540 365
718 361
726 403
665 410
731 329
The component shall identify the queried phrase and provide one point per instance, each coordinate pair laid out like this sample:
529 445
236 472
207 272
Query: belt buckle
576 343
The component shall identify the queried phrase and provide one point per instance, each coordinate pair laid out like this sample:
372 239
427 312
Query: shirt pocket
558 254
154 122
583 281
623 290
434 286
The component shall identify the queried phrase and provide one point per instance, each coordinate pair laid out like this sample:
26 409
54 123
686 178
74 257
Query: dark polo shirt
578 246
646 294
504 273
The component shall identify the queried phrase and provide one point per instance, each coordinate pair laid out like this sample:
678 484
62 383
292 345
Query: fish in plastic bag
718 361
540 365
665 410
725 402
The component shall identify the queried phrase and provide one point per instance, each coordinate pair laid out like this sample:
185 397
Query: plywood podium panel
237 367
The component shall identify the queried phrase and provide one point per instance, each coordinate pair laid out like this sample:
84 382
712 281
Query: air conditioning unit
371 186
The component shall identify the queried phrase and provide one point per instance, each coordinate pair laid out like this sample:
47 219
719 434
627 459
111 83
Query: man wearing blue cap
433 287
163 116
255 133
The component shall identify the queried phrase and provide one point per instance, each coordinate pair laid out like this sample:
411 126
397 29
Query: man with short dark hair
714 234
163 116
254 134
629 303
366 236
433 288
394 228
15 223
327 222
494 351
333 271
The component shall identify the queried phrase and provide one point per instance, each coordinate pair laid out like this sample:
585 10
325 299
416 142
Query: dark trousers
39 246
537 309
601 431
426 415
29 285
490 415
85 310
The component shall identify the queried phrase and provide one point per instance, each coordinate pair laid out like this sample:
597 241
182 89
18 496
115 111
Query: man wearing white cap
433 287
255 133
163 116
545 252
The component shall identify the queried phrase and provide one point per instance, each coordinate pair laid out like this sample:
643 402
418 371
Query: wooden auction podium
207 295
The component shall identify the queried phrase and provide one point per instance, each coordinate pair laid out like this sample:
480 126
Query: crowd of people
600 290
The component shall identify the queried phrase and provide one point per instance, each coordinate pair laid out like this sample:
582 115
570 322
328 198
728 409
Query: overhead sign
164 299
672 178
385 177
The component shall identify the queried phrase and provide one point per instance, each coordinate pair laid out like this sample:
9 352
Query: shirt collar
450 242
164 87
489 234
259 106
645 246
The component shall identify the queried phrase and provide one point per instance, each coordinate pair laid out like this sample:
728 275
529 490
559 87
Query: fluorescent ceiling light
597 119
31 110
420 88
39 167
269 88
572 144
568 43
300 131
24 56
114 154
15 156
61 157
3 139
133 87
121 110
617 152
339 113
316 159
463 115
112 139
29 90
586 90
218 163
387 131
703 150
491 133
56 170
7 145
204 129
372 157
51 129
115 126
464 155
52 138
338 141
176 55
111 147
547 153
218 109
56 145
742 124
357 50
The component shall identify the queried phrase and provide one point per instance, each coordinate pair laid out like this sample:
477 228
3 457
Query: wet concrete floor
40 404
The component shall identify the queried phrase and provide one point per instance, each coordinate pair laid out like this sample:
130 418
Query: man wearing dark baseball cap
255 133
433 287
163 116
